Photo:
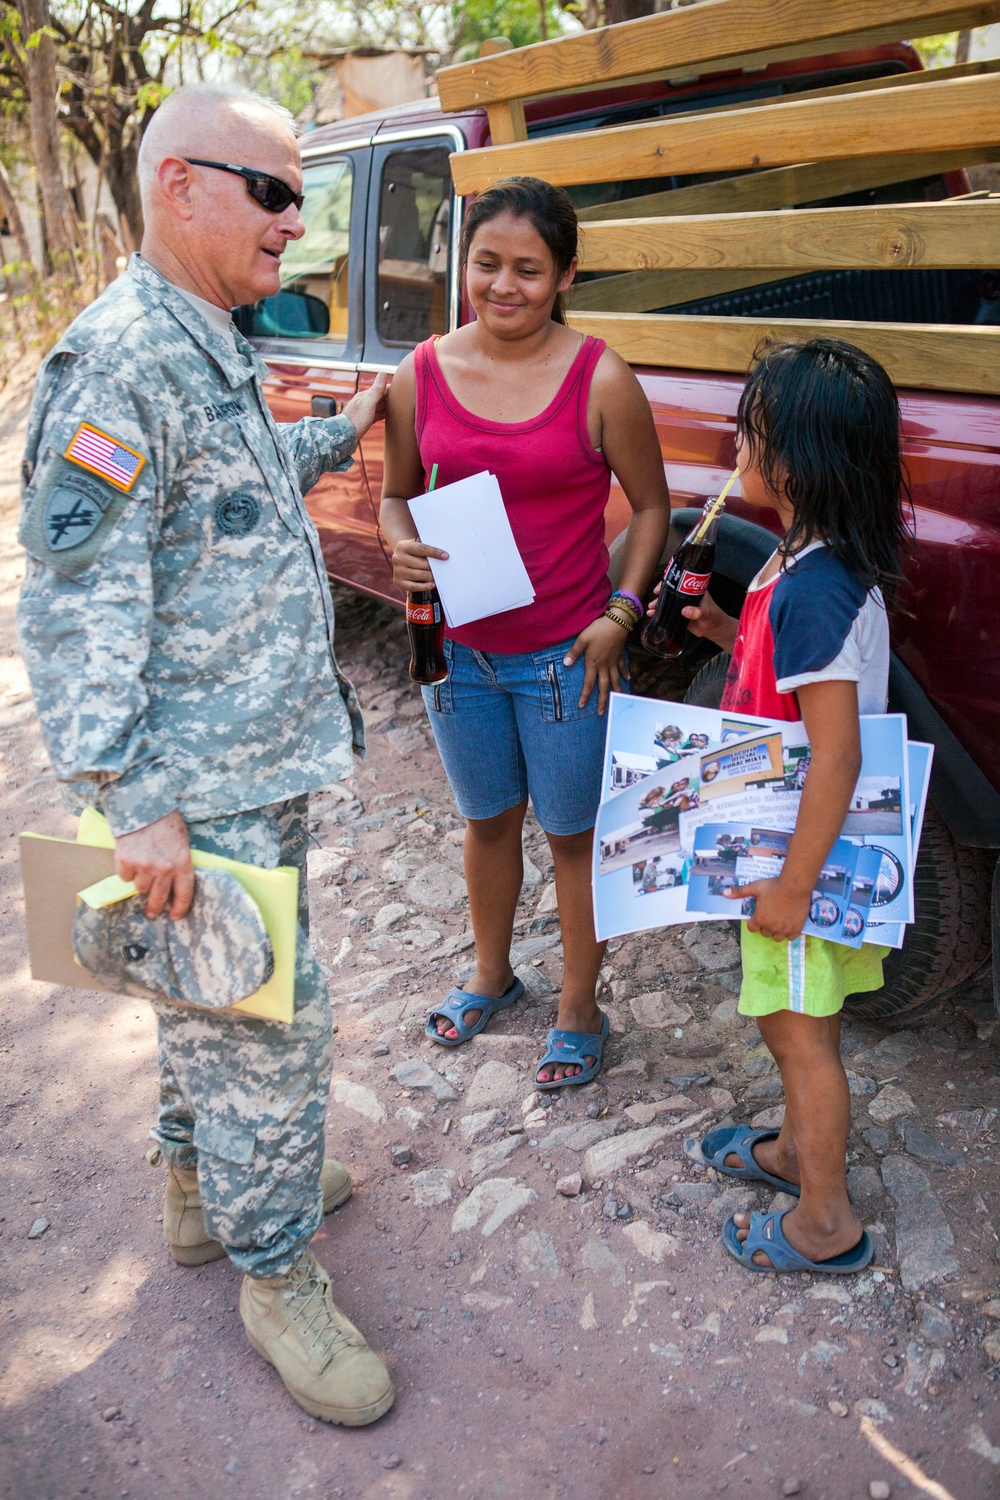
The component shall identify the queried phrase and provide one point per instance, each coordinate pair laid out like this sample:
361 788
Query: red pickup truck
377 271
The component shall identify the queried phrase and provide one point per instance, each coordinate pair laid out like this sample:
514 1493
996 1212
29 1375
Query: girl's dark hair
822 423
548 208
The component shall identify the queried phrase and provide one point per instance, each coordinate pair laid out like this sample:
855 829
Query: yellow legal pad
84 868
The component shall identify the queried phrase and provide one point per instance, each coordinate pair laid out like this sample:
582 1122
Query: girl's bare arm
402 479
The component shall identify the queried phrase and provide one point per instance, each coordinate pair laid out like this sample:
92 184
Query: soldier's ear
175 177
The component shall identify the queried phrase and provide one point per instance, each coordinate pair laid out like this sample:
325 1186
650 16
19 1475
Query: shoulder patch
68 518
105 455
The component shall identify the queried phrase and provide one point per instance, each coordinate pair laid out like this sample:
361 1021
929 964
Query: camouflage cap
215 956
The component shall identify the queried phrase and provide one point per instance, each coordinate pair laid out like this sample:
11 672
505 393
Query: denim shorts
508 727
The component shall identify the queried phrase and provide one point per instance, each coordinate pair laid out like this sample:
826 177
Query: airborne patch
69 516
102 454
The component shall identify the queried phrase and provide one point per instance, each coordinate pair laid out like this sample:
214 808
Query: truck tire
950 938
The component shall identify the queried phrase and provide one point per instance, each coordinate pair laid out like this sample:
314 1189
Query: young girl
552 414
818 442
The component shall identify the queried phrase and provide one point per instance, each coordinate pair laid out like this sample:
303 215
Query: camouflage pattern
215 956
244 1100
175 619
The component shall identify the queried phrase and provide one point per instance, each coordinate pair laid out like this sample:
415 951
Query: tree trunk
963 46
43 97
626 10
15 223
122 176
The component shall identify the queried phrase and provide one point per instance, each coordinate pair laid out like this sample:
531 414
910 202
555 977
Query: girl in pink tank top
520 716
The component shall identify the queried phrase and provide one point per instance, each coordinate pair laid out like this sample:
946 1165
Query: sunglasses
270 192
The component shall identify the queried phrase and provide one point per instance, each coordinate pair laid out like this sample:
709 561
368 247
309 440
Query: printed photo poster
728 856
919 758
649 735
876 815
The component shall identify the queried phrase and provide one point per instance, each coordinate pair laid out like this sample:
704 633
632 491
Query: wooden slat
506 118
644 291
714 32
785 187
929 356
960 236
940 116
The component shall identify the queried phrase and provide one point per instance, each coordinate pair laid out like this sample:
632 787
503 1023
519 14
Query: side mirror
290 315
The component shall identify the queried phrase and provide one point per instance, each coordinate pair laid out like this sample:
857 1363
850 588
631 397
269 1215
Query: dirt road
600 1345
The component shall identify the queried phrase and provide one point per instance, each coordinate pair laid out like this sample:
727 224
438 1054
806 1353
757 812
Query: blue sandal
766 1234
455 1005
574 1047
741 1139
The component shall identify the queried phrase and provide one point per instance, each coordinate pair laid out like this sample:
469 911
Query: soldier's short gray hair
157 141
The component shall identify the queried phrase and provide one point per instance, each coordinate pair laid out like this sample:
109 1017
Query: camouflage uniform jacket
176 619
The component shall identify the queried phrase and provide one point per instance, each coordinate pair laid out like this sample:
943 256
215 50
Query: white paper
484 574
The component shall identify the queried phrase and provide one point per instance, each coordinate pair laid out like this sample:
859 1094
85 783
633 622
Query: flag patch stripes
106 456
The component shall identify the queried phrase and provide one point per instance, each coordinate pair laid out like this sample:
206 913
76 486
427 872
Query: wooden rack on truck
718 236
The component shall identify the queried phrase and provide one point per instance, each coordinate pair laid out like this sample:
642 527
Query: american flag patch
104 455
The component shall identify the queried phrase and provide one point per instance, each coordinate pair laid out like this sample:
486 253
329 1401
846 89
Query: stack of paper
484 574
696 801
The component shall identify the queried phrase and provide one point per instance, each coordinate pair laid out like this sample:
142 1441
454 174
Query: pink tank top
555 488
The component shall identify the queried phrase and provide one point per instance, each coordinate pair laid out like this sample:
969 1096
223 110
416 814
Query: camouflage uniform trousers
245 1100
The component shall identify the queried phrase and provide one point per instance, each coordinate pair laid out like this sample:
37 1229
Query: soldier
178 630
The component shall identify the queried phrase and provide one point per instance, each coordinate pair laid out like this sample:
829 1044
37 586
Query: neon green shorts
808 975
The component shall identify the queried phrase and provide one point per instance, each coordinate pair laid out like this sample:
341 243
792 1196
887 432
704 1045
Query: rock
693 1151
411 1117
727 1014
878 1139
323 864
765 1088
363 1101
837 1408
879 1490
731 980
968 1121
722 1098
391 1461
588 1317
380 1051
577 1136
406 741
782 1203
401 1156
713 945
597 1257
414 1073
486 1301
609 1156
659 1010
655 1247
669 1352
534 981
570 1186
548 900
769 1119
771 1333
860 1086
495 1084
735 1200
536 1117
437 887
921 1144
498 1198
991 1346
536 1253
635 1067
891 1103
110 1412
532 874
388 915
484 1161
891 1055
529 948
865 1190
757 1064
432 1188
37 1229
645 1114
792 1487
475 1125
609 1208
935 1326
924 1240
687 1193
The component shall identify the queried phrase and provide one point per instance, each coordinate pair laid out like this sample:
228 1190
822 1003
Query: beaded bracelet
626 622
628 598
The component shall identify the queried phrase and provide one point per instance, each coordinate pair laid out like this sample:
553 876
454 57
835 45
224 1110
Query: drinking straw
434 475
722 493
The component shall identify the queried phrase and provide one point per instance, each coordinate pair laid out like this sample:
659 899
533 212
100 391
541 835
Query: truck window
414 211
313 301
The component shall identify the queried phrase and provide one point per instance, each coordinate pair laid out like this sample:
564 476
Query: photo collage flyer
697 800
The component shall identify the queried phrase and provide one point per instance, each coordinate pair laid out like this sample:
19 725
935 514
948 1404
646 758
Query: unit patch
106 456
69 517
238 514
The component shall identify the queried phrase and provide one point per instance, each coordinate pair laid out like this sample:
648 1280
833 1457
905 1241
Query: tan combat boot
293 1322
184 1224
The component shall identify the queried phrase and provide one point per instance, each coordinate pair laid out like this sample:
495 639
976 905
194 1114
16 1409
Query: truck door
411 289
311 337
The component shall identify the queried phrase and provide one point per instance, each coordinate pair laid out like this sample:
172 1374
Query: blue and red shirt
814 621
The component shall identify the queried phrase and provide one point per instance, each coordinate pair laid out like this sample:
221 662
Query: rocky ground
542 1273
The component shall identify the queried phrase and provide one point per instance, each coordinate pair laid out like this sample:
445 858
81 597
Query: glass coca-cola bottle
425 626
685 582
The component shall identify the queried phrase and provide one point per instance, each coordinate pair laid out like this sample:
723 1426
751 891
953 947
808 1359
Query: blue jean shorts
508 727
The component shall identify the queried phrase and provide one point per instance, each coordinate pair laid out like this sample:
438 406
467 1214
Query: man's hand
157 860
602 645
779 912
410 568
367 407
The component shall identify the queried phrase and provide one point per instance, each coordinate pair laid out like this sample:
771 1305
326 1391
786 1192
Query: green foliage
937 51
520 21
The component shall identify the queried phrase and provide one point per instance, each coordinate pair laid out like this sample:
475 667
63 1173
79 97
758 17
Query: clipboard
55 871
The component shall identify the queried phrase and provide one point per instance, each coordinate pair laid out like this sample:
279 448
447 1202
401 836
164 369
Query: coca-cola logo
421 614
694 583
